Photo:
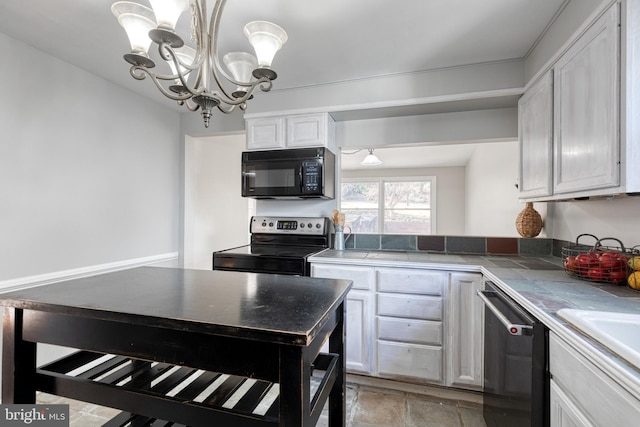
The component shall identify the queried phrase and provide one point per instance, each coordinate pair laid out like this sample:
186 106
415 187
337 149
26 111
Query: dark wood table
190 347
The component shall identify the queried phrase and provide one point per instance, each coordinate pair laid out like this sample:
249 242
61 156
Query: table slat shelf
168 390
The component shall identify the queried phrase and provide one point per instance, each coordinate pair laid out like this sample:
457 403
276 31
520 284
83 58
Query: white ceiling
329 41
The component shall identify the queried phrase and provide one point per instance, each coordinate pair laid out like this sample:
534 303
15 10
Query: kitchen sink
620 332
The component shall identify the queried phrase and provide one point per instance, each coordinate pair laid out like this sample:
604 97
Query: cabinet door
535 129
359 333
267 133
586 111
563 412
309 130
359 324
465 320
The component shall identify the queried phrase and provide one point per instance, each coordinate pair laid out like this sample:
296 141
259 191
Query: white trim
435 99
58 276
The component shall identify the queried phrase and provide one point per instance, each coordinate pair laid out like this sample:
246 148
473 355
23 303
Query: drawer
410 360
362 277
410 306
410 330
593 391
411 281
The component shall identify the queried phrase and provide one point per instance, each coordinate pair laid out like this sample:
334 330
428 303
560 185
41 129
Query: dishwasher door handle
513 329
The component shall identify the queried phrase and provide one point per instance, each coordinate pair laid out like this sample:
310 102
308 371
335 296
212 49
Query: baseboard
58 276
423 389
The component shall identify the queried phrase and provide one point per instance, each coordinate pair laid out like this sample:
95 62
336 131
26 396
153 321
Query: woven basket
529 221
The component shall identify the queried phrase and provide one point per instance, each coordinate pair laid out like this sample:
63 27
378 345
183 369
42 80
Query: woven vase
529 221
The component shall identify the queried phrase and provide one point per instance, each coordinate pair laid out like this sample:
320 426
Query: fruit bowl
598 262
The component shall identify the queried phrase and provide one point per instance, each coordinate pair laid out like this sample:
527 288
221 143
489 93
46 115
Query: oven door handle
513 329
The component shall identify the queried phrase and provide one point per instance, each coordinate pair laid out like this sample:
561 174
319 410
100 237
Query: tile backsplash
456 244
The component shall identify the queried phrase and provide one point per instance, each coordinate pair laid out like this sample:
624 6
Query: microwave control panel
286 225
311 177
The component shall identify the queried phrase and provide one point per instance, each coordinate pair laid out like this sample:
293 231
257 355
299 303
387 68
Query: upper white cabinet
586 113
296 131
577 137
535 129
265 134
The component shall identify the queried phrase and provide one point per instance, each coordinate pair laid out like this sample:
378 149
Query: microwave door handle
513 329
300 178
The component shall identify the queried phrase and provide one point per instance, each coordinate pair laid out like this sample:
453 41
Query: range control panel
314 226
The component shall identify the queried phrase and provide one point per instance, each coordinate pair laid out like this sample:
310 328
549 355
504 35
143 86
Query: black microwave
300 173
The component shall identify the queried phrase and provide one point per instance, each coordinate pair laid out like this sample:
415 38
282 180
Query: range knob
310 225
318 225
270 224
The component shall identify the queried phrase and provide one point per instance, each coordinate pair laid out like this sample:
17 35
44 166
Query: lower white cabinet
582 394
412 324
359 318
465 331
413 361
409 316
359 351
563 412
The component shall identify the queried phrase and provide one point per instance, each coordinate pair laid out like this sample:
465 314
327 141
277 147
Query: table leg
18 360
295 387
337 397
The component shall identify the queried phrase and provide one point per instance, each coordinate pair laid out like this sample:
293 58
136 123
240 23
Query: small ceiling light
371 159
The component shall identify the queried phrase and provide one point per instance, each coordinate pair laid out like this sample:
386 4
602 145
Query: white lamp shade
137 21
185 54
371 160
168 12
240 65
266 38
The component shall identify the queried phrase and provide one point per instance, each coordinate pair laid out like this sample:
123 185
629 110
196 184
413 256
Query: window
389 205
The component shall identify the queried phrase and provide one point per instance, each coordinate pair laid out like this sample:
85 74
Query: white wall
492 198
603 218
89 172
216 215
450 193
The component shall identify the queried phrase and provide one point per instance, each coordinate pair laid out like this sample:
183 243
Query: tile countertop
539 284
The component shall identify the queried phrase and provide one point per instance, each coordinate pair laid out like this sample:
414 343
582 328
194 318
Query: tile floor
366 407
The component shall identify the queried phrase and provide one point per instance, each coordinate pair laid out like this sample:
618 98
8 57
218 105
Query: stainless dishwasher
516 375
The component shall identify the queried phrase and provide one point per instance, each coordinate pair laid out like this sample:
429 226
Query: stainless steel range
278 245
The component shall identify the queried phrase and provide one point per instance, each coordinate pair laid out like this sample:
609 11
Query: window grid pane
392 206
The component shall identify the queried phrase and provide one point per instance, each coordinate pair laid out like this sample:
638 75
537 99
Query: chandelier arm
154 78
191 106
170 54
226 110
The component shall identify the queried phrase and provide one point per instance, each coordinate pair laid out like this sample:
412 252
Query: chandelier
193 76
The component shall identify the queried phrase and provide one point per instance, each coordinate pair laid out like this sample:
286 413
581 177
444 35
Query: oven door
263 259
